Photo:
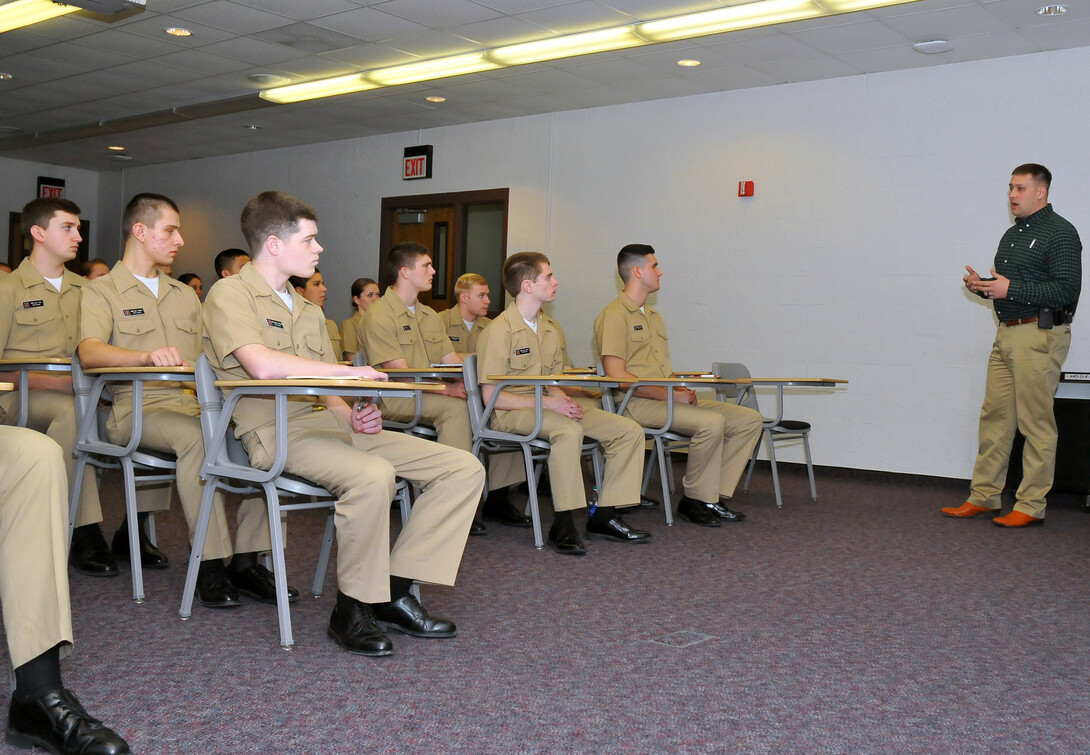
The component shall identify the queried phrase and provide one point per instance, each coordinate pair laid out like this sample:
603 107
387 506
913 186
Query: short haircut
300 282
225 258
186 277
402 255
1040 173
630 256
273 213
466 282
38 212
361 283
145 209
524 266
86 267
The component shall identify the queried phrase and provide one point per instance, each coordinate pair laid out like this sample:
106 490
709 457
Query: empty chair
775 429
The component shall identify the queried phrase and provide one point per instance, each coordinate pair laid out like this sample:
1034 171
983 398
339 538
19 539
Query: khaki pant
450 418
33 545
361 470
1023 372
54 413
177 431
722 439
621 440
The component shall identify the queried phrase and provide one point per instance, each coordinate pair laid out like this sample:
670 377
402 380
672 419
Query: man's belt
1023 321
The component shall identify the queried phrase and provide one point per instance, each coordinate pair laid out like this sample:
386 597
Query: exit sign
416 163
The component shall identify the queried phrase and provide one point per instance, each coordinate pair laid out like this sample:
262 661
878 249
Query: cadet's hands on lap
564 406
456 389
366 417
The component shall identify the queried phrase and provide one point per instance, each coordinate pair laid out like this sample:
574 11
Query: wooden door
431 227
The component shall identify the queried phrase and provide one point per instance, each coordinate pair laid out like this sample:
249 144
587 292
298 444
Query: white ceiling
81 84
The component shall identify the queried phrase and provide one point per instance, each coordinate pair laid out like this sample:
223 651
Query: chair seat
790 426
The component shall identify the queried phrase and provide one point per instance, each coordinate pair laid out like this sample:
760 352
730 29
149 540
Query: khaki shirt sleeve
350 342
334 339
493 350
379 335
96 318
611 333
7 308
230 321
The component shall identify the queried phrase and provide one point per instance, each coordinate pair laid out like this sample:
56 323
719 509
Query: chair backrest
742 395
609 403
474 401
360 358
82 383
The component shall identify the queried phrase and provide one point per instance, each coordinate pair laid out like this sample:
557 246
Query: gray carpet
864 622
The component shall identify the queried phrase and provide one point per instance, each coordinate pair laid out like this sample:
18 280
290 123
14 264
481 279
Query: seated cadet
401 332
257 327
194 282
34 593
525 341
39 311
229 262
465 321
364 294
313 290
630 337
135 317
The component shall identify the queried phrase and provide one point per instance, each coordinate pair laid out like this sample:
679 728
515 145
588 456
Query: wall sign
416 163
50 188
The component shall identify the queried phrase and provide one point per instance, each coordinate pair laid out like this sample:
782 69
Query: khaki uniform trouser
722 438
621 441
450 418
1023 372
361 470
173 431
33 545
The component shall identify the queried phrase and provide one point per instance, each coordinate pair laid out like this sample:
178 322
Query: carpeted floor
864 622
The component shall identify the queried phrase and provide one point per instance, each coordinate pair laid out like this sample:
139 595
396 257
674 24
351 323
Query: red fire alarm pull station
745 188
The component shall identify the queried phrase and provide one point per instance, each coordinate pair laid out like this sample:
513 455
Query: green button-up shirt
1042 256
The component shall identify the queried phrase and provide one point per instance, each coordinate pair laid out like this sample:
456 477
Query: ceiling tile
435 15
741 77
369 25
646 10
833 40
497 32
253 51
133 45
301 11
307 38
1054 36
232 17
582 15
771 49
200 62
551 81
153 29
808 70
615 72
944 24
431 44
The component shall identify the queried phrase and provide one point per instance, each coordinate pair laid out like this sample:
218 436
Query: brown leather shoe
1017 519
967 510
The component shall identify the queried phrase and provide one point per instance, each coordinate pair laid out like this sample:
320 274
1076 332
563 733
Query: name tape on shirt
522 352
637 327
406 327
133 312
454 338
274 323
33 304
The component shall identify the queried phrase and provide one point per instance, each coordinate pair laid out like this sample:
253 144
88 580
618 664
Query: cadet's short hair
524 266
630 256
186 277
467 281
146 209
38 212
273 213
226 258
402 255
1040 173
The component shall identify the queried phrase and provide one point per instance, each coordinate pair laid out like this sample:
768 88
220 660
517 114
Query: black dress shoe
58 723
90 556
615 528
720 510
213 588
477 528
697 512
565 540
506 514
647 503
353 627
258 583
150 556
406 615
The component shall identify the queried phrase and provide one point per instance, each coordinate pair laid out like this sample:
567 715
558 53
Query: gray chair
139 466
663 441
775 429
535 450
227 466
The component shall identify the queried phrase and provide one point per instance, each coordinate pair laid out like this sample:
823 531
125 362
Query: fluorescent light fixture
833 7
26 12
426 70
722 20
568 46
310 90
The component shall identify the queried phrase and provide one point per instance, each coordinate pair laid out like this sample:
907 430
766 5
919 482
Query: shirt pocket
315 345
521 362
190 325
406 336
134 328
32 316
433 344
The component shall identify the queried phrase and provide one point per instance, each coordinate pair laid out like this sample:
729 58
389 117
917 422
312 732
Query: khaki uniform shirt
639 338
36 320
510 347
120 310
334 339
390 331
462 338
350 340
243 309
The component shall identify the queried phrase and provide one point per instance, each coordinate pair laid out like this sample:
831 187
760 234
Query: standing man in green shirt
1034 286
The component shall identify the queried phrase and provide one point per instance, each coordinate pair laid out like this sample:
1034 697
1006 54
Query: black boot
90 555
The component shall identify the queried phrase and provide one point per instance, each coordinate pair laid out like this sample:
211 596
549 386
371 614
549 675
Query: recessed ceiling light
932 47
268 79
1052 10
688 63
116 148
436 98
177 31
5 76
252 127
